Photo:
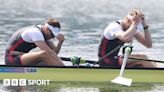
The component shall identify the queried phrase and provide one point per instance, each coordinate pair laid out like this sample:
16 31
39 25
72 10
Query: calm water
82 22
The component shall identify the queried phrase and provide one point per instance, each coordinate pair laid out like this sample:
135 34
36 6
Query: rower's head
52 28
128 19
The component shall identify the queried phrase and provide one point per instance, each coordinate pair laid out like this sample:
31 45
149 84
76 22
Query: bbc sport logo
24 82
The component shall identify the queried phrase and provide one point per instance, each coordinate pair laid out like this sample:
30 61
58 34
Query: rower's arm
127 35
53 56
57 48
60 39
44 46
53 47
144 38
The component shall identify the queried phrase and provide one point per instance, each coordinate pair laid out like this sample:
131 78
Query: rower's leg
138 63
34 58
142 64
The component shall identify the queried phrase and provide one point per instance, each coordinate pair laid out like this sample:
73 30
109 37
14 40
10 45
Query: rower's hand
142 16
136 19
60 37
144 23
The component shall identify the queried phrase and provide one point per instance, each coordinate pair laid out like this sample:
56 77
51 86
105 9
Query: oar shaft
96 62
146 60
127 52
65 59
69 59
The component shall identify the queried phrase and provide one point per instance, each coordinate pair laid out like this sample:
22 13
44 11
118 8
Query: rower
25 39
121 31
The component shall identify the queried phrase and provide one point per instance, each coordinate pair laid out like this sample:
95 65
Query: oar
120 79
148 60
86 61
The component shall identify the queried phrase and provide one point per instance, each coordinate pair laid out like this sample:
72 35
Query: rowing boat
84 74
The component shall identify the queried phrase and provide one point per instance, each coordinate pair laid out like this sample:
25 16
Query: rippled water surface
83 22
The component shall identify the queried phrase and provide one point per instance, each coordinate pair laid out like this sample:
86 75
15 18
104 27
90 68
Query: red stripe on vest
13 47
103 51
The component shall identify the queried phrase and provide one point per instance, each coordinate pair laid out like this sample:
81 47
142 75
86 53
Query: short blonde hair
134 12
53 22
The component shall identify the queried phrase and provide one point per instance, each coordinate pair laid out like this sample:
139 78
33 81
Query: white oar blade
122 81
